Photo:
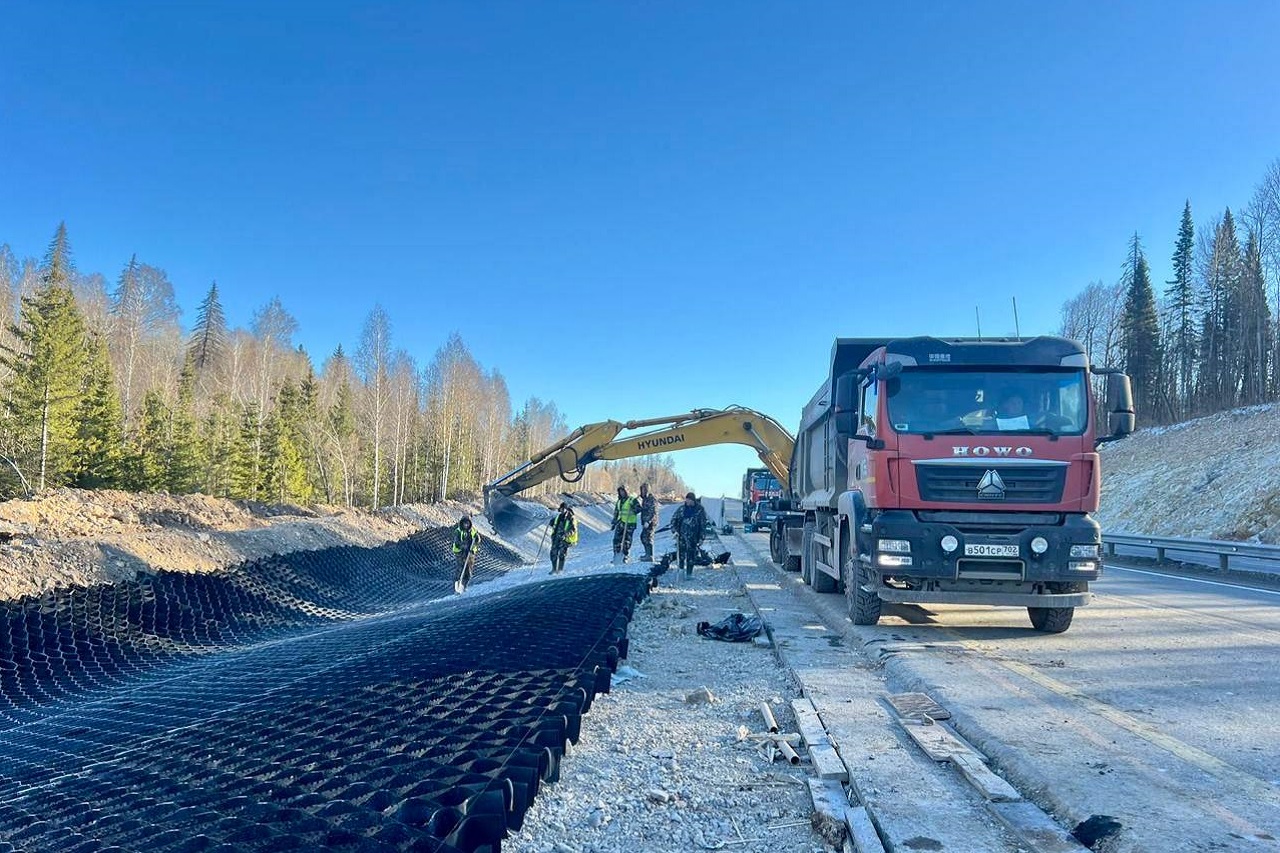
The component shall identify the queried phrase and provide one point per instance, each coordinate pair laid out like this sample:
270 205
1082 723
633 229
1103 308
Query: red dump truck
961 471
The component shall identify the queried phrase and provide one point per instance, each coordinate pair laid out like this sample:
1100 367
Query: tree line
1208 340
102 387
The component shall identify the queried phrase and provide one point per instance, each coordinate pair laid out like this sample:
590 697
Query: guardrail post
1159 555
1222 561
1111 549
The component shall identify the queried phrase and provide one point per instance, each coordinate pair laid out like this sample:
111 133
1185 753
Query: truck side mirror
1120 404
846 408
1121 418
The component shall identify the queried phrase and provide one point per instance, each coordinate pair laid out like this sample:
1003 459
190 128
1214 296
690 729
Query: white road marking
1193 580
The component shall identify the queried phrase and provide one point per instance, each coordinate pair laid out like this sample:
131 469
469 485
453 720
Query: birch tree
372 364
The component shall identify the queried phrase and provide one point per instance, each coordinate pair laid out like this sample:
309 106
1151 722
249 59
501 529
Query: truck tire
820 580
1051 620
806 552
864 607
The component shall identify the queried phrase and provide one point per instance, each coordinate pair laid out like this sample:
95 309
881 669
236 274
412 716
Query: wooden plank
937 741
862 832
827 763
980 776
917 706
1035 828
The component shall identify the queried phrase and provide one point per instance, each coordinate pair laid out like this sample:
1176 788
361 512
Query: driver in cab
1011 413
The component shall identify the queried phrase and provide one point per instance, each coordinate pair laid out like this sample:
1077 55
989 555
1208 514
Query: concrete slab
915 803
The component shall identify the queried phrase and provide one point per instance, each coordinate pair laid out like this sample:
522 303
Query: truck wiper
954 431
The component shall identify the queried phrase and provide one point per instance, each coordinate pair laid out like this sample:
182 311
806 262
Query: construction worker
564 535
625 513
648 521
689 525
466 542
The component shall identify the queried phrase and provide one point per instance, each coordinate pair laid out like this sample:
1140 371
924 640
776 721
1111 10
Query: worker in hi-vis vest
625 514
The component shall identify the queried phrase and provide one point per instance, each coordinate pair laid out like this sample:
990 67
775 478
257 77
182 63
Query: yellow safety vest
627 509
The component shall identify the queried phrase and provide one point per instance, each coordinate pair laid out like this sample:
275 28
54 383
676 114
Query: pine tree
1142 333
47 364
209 337
1180 305
183 462
99 451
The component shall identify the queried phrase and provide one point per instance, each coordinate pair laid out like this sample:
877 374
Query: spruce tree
1141 329
148 457
218 441
47 363
1219 329
1255 325
209 337
283 465
246 454
99 453
183 459
1180 299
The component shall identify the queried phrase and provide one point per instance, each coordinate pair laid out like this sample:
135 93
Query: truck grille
1023 484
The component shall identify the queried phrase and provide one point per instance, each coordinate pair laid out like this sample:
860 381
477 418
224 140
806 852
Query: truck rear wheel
806 553
1051 620
864 607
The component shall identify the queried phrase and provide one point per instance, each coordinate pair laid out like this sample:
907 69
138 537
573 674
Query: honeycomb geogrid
319 700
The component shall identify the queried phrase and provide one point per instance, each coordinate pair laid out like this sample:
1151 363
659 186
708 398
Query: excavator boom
569 457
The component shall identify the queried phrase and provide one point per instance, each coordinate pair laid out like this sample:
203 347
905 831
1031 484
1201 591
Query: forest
101 386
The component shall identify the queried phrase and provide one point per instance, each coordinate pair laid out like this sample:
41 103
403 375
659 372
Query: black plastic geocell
312 701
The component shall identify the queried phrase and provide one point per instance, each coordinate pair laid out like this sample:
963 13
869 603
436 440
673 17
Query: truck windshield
981 400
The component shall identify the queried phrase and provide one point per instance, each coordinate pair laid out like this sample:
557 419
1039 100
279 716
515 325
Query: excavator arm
569 457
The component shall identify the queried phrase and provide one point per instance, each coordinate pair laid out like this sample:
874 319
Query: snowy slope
1216 477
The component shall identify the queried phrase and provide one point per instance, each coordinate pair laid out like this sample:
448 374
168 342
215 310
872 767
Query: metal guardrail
1223 550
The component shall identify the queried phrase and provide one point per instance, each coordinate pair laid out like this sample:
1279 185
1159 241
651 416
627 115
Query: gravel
662 764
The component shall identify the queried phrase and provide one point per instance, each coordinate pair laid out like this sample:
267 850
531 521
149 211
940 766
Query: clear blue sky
632 208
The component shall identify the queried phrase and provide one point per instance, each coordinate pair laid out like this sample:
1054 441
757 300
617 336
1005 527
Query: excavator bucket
509 517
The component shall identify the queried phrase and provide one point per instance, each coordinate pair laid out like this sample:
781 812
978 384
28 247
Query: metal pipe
770 723
786 750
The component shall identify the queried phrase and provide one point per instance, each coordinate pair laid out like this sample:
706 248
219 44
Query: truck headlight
893 560
1085 552
949 543
895 546
1039 545
1088 566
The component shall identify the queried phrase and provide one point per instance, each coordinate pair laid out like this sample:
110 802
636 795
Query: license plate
979 550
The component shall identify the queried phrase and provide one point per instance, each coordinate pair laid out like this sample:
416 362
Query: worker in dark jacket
564 535
689 525
466 543
625 514
648 521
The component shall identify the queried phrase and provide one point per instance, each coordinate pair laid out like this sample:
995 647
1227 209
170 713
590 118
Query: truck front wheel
1051 620
864 606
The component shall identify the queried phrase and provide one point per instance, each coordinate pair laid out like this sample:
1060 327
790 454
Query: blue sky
632 208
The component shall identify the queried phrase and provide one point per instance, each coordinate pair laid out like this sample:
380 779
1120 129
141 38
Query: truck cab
962 471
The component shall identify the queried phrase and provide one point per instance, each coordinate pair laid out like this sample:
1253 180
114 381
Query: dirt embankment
69 537
1216 477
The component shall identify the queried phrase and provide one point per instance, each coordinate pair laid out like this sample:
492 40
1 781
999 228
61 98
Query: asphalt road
1158 708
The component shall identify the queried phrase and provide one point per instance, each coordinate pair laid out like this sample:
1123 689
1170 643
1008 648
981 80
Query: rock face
1214 477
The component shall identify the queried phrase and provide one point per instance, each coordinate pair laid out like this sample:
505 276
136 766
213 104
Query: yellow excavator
569 457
